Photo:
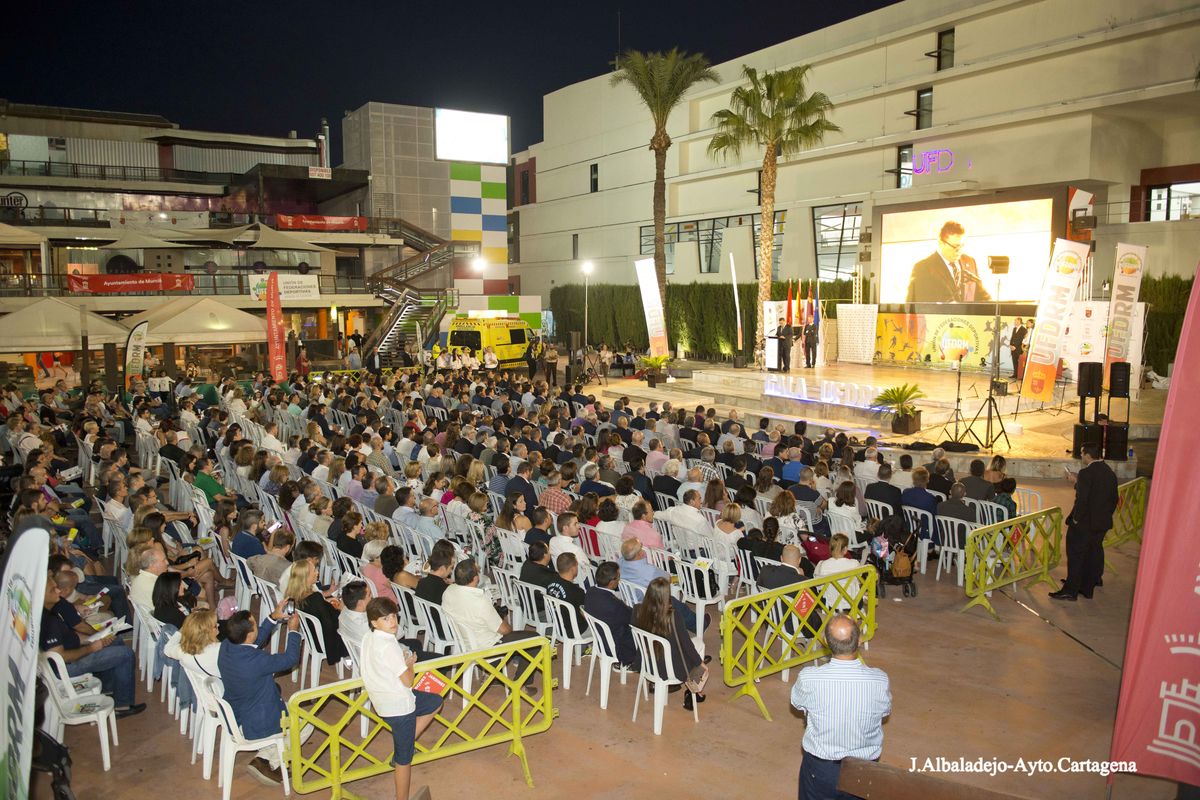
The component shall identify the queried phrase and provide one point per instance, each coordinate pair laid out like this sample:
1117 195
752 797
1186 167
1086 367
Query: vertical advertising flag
737 303
24 590
1054 311
276 350
656 323
135 352
1158 710
788 316
1127 282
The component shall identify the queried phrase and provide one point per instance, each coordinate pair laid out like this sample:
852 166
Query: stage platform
839 395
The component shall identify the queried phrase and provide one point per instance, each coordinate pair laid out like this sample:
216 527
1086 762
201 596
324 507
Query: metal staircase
415 314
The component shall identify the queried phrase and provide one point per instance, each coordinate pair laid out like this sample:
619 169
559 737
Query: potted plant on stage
653 368
906 417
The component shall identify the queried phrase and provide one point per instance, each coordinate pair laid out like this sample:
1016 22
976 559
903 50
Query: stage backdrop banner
938 340
1127 283
276 352
141 282
135 352
1054 311
857 335
291 287
1158 711
656 325
20 631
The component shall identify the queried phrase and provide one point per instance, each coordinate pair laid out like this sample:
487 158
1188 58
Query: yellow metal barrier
767 633
1024 547
1130 516
482 707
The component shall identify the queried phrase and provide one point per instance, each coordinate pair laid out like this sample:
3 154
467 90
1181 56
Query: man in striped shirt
845 702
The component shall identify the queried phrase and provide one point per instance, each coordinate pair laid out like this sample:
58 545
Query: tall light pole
587 268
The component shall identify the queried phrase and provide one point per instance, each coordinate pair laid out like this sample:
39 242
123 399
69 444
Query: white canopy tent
12 236
53 324
200 320
142 240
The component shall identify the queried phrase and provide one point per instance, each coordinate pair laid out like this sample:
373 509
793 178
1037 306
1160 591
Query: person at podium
784 335
948 275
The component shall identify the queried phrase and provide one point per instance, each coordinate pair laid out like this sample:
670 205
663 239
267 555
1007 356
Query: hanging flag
1054 310
788 314
276 350
135 352
1127 282
737 303
1158 710
24 576
656 326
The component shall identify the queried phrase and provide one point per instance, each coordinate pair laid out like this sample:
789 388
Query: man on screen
947 275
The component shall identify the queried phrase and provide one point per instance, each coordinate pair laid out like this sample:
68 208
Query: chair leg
567 656
283 770
660 703
637 699
102 726
225 774
591 669
605 681
210 746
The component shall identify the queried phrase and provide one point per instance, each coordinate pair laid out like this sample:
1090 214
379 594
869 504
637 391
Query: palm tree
772 111
661 80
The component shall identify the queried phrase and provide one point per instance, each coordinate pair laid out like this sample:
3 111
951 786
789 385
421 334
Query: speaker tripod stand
962 428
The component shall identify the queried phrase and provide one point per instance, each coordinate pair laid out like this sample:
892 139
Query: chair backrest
564 622
407 600
694 583
747 569
663 559
919 521
225 714
310 629
53 669
941 496
1027 500
665 500
602 635
631 593
439 628
528 596
878 509
952 533
656 655
990 513
609 546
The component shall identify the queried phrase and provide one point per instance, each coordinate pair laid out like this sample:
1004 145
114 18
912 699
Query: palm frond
662 79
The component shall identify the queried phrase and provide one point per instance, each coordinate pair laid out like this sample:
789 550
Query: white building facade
936 100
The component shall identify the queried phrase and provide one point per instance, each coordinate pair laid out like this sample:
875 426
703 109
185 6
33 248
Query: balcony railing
219 283
105 172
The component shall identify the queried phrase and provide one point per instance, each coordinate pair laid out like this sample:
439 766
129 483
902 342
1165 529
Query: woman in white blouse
837 563
195 645
845 507
387 674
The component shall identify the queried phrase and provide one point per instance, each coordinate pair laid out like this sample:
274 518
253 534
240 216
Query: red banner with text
276 352
319 222
140 282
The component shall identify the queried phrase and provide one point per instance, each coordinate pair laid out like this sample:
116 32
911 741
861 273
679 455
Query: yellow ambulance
507 336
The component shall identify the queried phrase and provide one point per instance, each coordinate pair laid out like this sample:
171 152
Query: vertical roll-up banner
1054 310
24 575
276 350
1127 283
737 303
656 324
135 352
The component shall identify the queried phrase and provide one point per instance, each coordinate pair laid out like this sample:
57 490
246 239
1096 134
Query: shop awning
53 324
12 236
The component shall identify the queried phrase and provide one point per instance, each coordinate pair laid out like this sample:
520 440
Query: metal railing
219 283
107 172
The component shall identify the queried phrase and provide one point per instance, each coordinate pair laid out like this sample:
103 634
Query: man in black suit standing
784 335
810 345
1091 518
947 275
1016 341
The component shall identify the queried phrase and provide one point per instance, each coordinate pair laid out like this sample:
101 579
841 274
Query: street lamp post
586 267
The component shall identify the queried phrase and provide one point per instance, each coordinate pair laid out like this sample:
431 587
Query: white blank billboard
470 136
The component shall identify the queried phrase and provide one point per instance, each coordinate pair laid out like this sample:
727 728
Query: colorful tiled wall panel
478 209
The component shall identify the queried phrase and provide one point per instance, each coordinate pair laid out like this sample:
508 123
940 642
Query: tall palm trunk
660 144
766 246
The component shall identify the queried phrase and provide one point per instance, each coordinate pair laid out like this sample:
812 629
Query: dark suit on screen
933 282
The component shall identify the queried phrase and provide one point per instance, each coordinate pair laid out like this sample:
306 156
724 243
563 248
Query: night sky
266 68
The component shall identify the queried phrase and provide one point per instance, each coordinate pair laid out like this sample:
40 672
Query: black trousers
819 779
1085 560
785 356
1016 358
810 354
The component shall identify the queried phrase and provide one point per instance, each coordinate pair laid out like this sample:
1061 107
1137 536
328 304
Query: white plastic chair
604 651
440 635
695 587
631 593
527 599
746 571
75 707
565 627
878 509
916 519
952 545
1028 501
660 673
234 742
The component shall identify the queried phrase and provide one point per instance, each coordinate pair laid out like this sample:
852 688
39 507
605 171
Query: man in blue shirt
636 569
246 543
918 497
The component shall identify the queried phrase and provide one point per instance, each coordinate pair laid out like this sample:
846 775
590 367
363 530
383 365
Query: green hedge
1167 300
700 316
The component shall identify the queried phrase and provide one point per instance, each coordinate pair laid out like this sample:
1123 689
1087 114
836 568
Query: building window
777 244
1173 201
836 233
710 233
670 238
945 49
924 110
524 186
574 245
595 179
904 166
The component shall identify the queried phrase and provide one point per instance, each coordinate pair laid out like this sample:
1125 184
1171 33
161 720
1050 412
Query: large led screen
469 136
940 255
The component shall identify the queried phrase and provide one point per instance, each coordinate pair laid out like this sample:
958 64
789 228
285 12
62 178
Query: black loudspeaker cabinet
1116 442
1118 379
1086 433
1091 378
1000 388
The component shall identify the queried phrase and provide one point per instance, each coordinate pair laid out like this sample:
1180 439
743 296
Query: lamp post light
586 267
479 263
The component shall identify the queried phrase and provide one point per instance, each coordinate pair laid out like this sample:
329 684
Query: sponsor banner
656 325
1158 710
1127 283
1054 311
934 339
737 303
135 352
20 630
319 222
276 352
141 282
291 286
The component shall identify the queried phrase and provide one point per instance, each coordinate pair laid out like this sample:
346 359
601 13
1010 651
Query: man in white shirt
694 482
567 540
473 614
734 435
687 514
152 563
115 508
868 468
270 442
845 702
321 471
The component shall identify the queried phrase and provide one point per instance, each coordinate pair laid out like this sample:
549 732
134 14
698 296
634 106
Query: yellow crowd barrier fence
1017 549
483 705
1130 516
773 631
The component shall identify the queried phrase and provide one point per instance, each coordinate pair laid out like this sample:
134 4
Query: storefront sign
1054 312
276 352
1127 282
933 162
656 325
320 173
319 222
141 282
291 286
13 200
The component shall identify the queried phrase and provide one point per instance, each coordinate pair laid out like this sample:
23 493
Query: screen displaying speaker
1118 379
1116 441
1091 378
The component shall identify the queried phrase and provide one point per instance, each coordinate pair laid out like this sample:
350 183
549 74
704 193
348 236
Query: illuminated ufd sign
931 162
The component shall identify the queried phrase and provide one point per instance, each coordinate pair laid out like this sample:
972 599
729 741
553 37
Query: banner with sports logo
24 576
276 349
135 352
1054 311
656 324
1126 284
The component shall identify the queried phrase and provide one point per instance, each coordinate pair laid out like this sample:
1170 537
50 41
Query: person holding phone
387 672
302 589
